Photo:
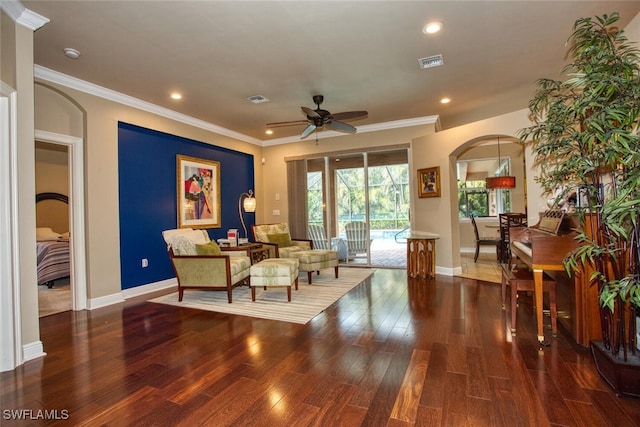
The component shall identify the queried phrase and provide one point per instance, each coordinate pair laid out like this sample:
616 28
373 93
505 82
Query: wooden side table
255 251
421 255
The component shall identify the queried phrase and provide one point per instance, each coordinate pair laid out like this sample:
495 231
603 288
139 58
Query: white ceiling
361 55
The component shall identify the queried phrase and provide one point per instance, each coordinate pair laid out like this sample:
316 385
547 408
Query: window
473 199
473 196
315 200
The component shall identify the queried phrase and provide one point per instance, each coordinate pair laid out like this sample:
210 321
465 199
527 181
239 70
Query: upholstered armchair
199 263
279 237
310 259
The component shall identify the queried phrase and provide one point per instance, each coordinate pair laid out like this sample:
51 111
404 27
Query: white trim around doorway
11 353
76 207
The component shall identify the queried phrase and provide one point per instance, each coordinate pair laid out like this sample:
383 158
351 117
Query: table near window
421 255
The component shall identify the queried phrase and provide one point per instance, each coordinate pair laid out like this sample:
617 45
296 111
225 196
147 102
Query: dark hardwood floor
389 353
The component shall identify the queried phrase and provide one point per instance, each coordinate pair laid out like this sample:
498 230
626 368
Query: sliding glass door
361 202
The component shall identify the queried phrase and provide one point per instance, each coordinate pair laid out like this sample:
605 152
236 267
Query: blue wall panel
148 205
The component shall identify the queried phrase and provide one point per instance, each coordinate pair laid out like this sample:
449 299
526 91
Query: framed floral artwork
429 182
198 184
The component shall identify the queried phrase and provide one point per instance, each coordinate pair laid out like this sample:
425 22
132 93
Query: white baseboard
33 350
448 271
150 287
483 250
104 301
130 293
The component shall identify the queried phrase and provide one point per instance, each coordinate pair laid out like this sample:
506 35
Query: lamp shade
249 204
501 182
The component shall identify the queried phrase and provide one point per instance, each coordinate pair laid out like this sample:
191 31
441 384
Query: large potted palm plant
585 140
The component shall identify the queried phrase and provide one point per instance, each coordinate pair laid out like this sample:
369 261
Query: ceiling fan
318 118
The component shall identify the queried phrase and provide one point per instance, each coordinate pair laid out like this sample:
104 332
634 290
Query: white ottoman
280 272
315 260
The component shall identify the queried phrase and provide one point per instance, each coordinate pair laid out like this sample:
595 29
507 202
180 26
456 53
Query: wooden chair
318 237
520 278
508 220
484 241
358 240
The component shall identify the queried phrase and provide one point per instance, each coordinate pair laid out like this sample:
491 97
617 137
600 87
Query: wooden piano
543 248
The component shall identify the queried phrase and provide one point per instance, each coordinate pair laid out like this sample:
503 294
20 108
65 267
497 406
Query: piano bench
522 280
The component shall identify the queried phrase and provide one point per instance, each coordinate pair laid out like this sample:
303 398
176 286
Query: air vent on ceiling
431 61
257 99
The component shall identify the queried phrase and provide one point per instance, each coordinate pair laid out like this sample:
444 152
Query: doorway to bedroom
52 228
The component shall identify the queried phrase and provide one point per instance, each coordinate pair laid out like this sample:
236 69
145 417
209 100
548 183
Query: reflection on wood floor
391 352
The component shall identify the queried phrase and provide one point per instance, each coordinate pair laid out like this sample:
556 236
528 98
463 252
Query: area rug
306 303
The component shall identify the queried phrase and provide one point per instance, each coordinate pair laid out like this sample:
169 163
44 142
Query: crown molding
99 91
22 15
56 77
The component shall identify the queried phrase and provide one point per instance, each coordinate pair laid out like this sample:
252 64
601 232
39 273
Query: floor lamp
249 205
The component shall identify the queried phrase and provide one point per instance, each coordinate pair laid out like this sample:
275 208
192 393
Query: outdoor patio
385 252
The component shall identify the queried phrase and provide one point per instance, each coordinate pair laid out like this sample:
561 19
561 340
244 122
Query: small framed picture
198 182
429 182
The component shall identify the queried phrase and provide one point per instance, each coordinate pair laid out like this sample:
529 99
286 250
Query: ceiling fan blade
350 115
308 131
310 113
340 126
291 123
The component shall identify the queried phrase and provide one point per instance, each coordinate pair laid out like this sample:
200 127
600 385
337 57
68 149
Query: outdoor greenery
474 199
585 140
388 196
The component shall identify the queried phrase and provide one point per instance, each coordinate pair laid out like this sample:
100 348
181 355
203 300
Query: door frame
75 146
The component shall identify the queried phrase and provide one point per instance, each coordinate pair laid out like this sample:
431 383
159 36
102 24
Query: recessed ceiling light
176 95
269 132
445 100
432 27
71 53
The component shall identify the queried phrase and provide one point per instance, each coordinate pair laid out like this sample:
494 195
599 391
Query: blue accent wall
147 195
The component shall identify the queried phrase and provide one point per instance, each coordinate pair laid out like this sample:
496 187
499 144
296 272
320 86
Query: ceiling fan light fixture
319 119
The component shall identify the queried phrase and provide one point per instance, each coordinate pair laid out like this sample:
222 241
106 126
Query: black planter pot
623 377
